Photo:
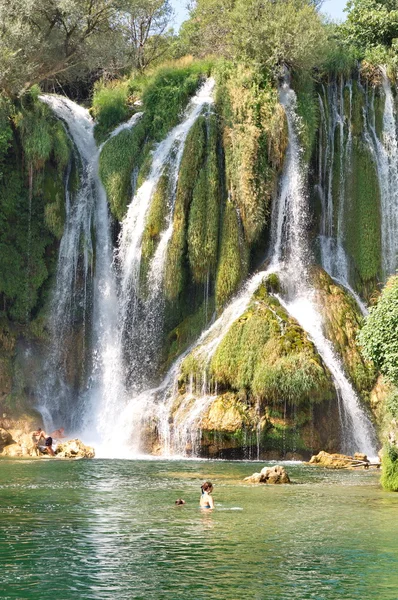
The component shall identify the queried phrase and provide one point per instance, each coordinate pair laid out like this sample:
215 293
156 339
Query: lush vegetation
35 152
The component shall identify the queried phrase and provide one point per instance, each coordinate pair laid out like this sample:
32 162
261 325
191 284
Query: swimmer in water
206 500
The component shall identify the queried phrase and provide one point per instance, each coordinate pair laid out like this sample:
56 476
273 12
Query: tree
144 25
274 34
40 39
379 336
371 23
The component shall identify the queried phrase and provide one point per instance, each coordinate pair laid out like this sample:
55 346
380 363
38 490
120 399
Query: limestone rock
74 449
5 438
274 475
339 461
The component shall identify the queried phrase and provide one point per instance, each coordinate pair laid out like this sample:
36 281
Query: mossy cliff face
34 157
269 381
342 322
354 185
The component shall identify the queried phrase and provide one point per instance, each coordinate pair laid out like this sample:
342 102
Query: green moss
32 207
54 195
232 263
342 322
268 355
379 105
204 211
191 164
308 110
120 155
155 222
389 466
187 332
358 104
363 229
255 138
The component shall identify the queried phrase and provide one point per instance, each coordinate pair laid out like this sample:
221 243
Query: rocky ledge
19 444
341 461
274 475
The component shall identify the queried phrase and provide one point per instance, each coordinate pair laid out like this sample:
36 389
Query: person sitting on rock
39 434
36 437
206 501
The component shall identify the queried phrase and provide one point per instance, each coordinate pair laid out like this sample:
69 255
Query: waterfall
385 153
290 258
335 117
300 303
84 304
142 314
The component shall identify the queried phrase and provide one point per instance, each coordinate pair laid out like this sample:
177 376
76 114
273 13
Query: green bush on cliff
389 468
379 335
109 106
167 93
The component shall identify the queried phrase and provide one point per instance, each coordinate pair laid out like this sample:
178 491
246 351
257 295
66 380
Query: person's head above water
207 487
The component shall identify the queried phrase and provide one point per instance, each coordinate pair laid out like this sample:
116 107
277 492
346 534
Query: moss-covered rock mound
266 381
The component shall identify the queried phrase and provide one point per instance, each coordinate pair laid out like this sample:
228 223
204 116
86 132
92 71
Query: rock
255 478
21 444
74 449
339 461
12 450
5 438
362 457
273 475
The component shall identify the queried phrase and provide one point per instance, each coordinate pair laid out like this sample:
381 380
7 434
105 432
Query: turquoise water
109 529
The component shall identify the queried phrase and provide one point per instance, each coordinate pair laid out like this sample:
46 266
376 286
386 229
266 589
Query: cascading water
291 258
357 429
385 152
84 302
335 117
142 314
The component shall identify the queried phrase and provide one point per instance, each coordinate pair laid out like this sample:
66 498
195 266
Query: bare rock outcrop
74 449
16 443
274 475
340 461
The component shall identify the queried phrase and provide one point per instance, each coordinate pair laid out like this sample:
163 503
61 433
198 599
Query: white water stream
84 293
385 152
142 317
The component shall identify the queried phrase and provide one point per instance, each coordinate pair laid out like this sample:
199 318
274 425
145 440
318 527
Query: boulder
74 449
5 438
273 475
339 461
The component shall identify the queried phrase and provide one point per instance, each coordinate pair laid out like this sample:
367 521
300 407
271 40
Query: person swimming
206 501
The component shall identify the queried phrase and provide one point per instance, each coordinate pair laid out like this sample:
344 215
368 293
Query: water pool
109 529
